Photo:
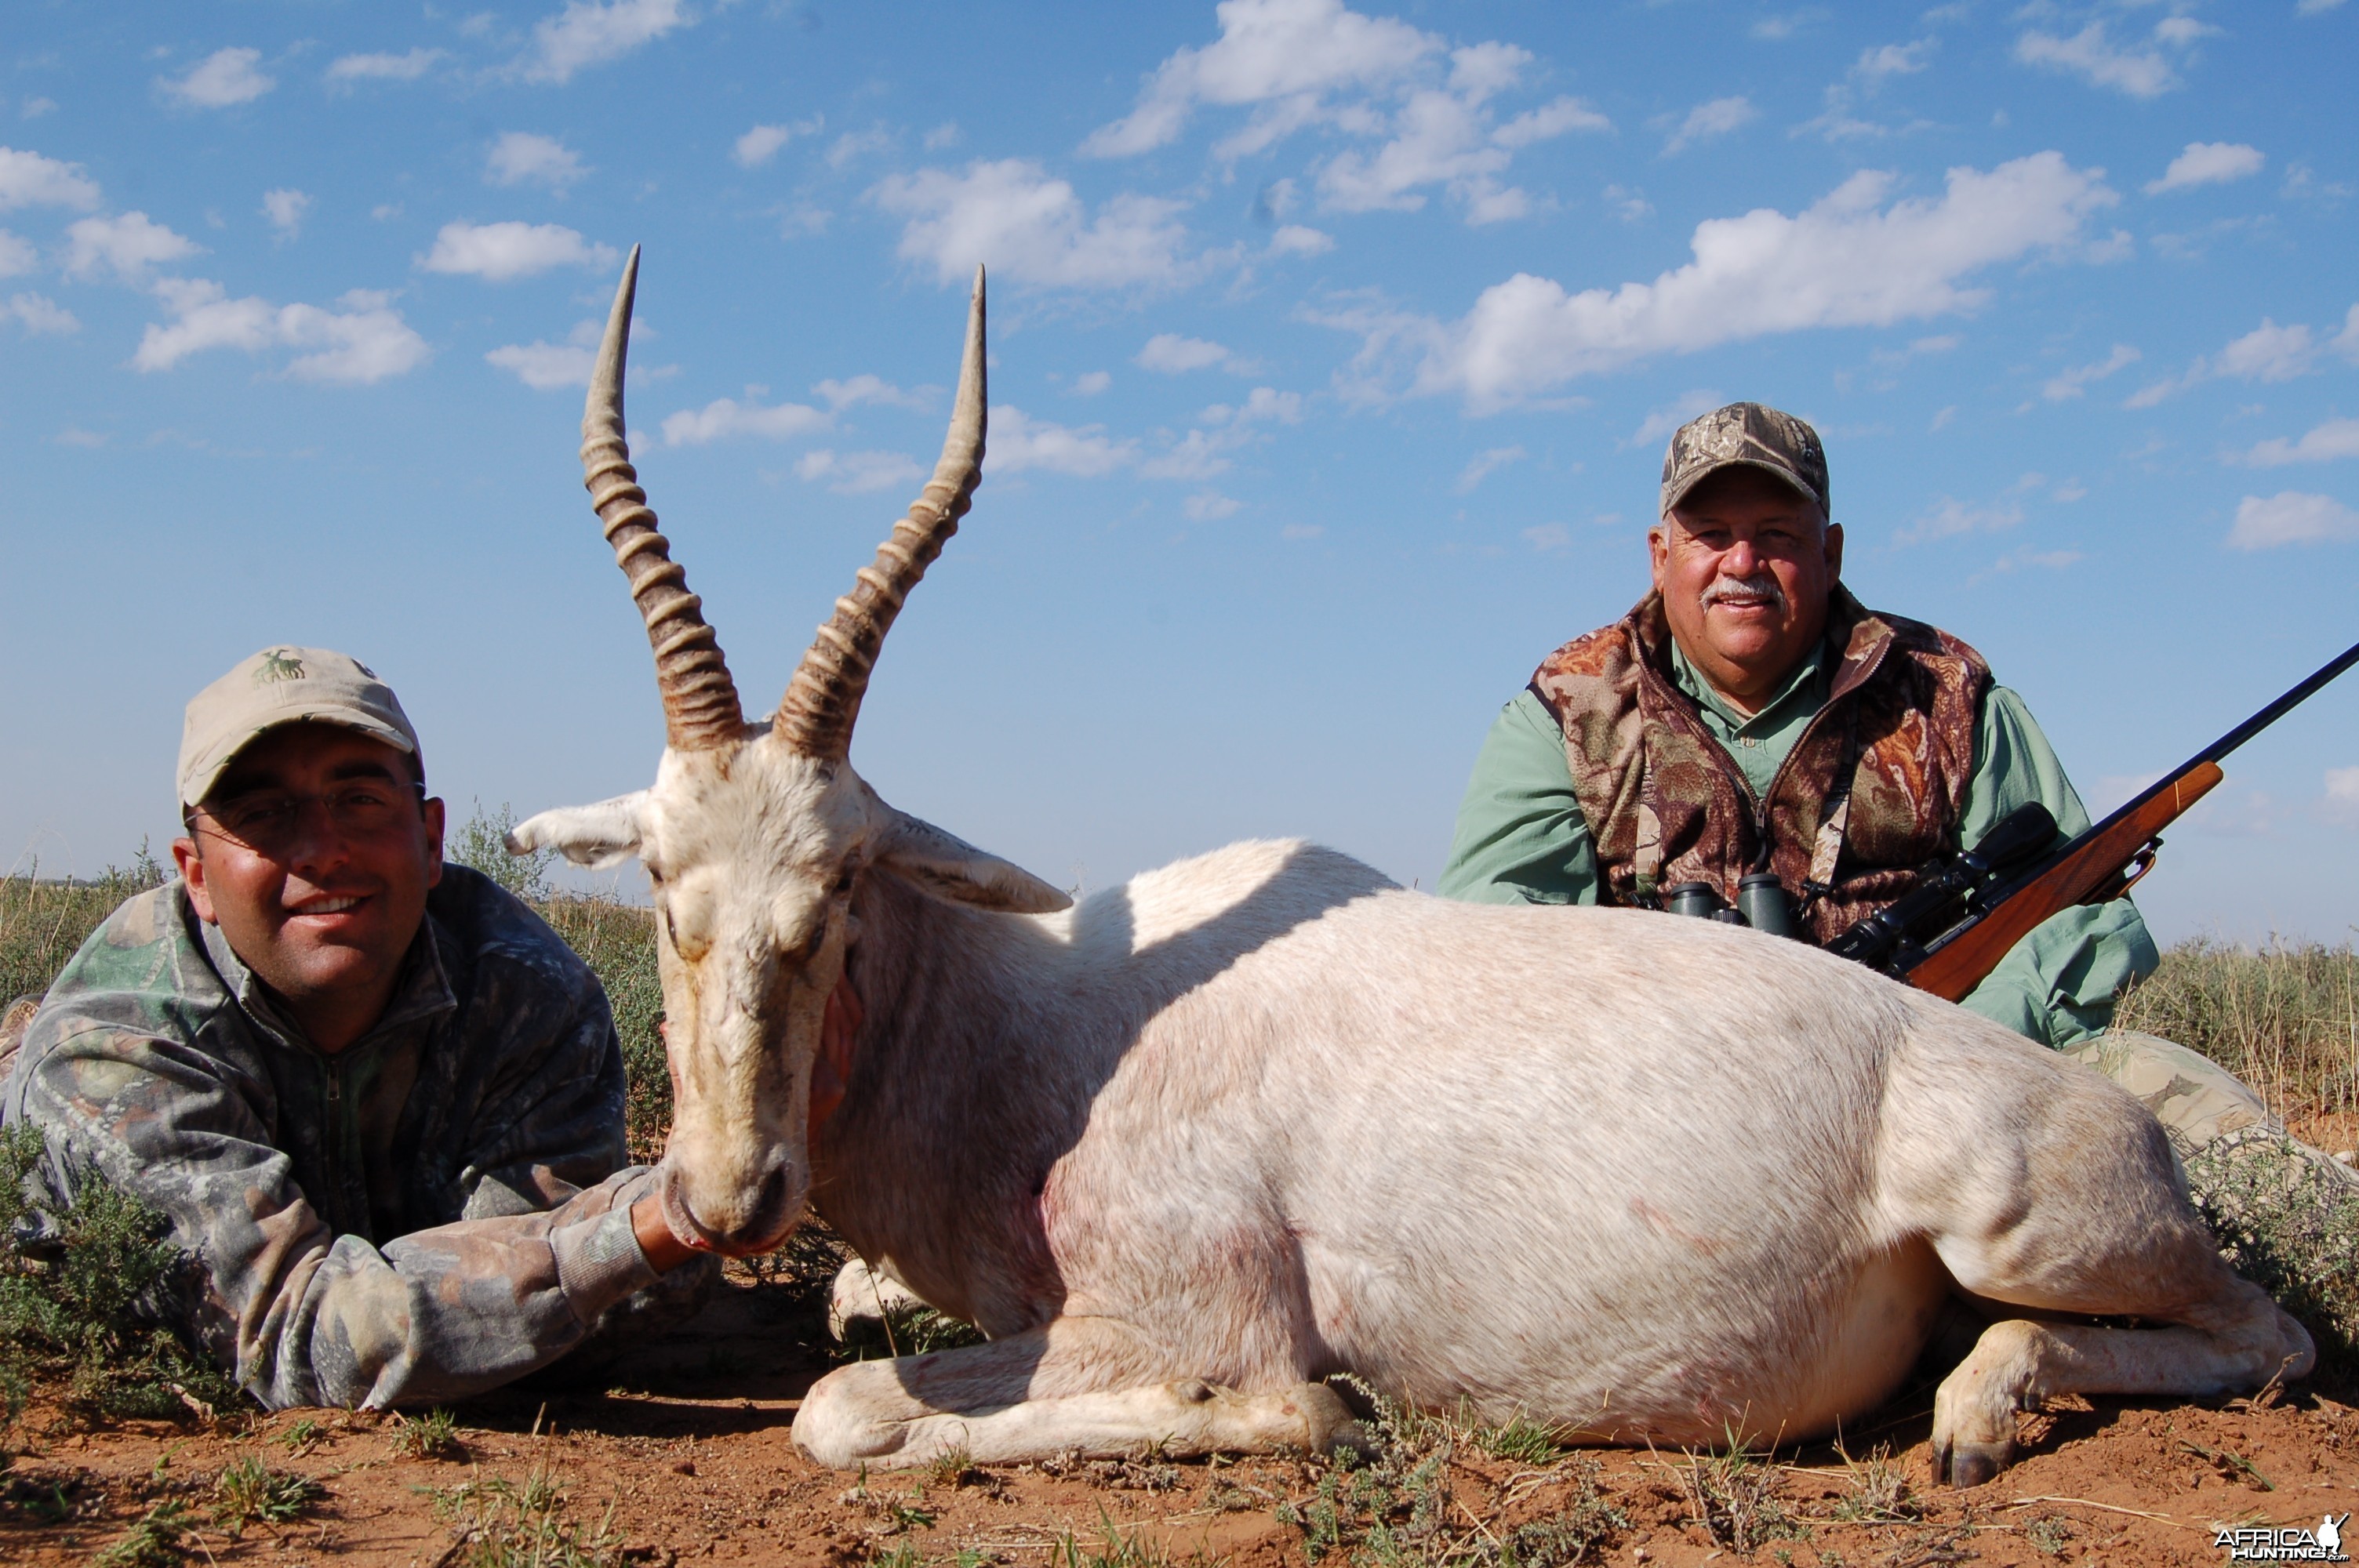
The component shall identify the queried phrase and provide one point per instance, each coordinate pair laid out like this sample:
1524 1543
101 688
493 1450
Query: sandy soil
690 1457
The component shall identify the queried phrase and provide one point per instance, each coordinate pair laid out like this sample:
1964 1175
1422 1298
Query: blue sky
1334 348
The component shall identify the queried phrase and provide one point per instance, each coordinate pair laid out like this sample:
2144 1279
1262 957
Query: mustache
1760 584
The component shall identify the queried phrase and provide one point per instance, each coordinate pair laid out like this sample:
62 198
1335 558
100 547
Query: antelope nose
748 1220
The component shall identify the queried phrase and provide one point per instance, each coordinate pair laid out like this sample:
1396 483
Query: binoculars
1761 903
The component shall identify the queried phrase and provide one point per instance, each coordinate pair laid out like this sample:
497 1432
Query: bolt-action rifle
1966 913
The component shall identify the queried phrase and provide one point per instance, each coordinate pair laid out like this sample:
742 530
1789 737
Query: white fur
1263 1117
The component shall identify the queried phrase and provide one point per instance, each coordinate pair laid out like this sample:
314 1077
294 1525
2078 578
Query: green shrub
86 1317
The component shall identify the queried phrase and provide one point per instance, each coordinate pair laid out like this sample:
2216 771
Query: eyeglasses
270 820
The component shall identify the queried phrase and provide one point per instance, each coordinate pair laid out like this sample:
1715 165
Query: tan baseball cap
1744 435
285 686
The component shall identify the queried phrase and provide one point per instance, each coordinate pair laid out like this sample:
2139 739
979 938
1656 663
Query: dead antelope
1262 1116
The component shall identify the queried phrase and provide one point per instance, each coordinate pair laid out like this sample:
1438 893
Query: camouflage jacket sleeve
304 1316
503 1224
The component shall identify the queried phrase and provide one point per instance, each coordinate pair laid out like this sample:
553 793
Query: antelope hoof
1329 1423
1963 1464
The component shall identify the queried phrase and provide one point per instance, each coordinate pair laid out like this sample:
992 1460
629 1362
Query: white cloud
1091 383
285 210
40 315
2321 444
2071 382
365 340
2290 517
29 180
545 366
2314 7
1262 403
2340 802
592 32
2268 352
1846 261
857 473
498 252
1210 506
1706 120
2142 73
1445 135
2208 163
383 66
1019 442
1875 64
1171 354
1482 464
864 388
1034 230
760 145
16 255
223 79
1951 517
1302 531
127 245
1659 425
34 108
520 155
1303 63
858 144
1548 537
1286 55
727 417
1299 240
2346 342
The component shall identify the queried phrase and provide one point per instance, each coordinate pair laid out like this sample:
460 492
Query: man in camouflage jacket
1750 715
378 1100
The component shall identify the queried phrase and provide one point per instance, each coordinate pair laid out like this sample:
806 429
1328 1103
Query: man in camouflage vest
378 1100
1750 715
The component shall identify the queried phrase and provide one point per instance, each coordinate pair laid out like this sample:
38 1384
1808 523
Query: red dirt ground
690 1458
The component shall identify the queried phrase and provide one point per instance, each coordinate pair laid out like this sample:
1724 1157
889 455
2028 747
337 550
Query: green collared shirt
1521 838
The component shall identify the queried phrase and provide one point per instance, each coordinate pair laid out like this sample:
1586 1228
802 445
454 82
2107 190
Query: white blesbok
1263 1117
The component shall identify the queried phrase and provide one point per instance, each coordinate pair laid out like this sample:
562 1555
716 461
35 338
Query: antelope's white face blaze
752 853
754 835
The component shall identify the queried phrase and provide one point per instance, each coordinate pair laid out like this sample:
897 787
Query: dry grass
2285 1020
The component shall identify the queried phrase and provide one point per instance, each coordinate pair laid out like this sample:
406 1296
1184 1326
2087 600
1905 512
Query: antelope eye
843 882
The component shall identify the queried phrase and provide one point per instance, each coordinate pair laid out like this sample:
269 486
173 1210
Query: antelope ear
598 836
955 871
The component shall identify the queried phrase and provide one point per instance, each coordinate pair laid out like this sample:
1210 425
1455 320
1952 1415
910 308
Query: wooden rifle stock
2101 869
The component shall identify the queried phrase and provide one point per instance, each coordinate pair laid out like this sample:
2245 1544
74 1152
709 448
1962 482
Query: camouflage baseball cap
1746 435
285 686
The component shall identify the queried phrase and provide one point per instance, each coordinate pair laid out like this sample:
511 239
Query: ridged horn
700 700
822 701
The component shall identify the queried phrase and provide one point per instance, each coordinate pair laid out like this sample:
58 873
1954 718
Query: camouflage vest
1872 790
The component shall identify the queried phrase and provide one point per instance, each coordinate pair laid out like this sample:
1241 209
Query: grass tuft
250 1492
1733 1495
498 1523
434 1435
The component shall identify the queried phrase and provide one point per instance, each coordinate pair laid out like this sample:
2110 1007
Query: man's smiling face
313 853
1745 564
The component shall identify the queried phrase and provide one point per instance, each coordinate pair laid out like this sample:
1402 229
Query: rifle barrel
2208 758
2233 738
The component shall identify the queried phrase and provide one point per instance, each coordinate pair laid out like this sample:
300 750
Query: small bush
87 1315
2287 1219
